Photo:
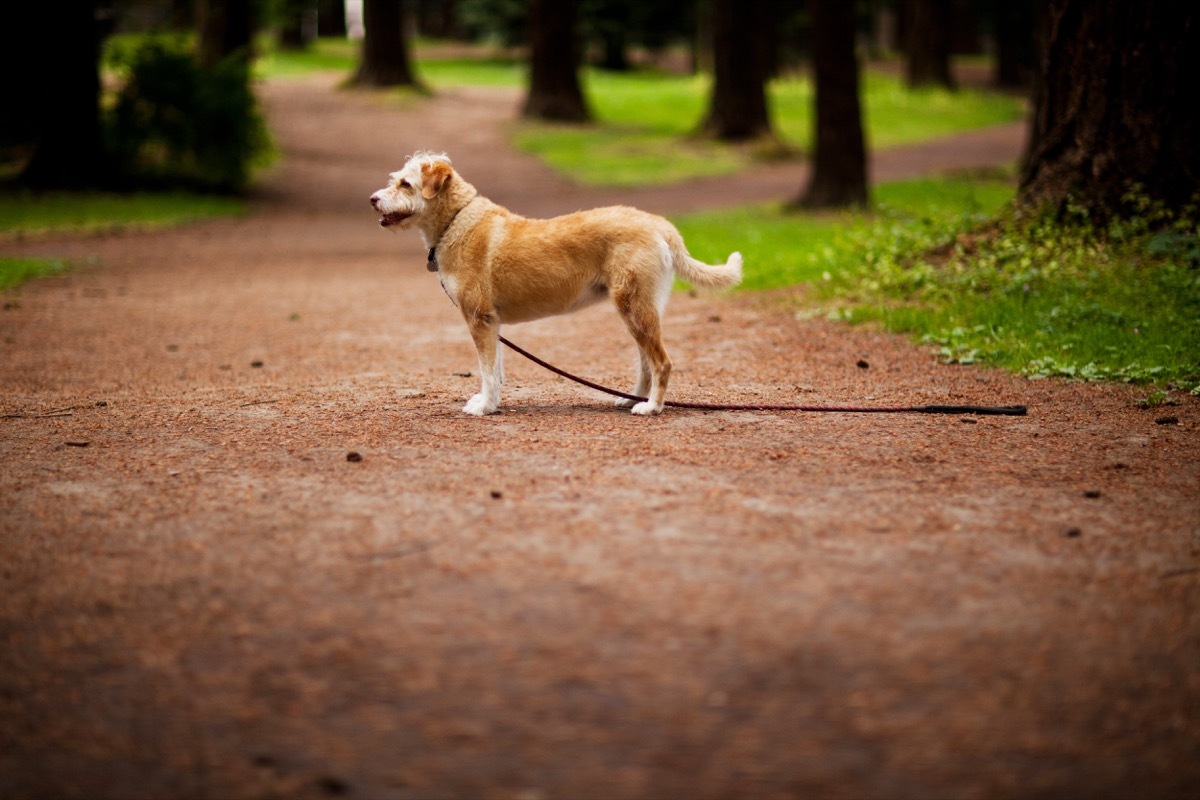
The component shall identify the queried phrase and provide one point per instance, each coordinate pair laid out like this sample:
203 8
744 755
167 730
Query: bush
176 123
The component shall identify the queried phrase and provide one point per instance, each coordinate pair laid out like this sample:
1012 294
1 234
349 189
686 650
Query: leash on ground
1006 411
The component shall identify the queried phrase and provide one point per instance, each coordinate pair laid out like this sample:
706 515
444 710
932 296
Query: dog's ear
434 177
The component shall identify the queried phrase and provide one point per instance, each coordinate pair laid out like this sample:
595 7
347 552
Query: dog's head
412 190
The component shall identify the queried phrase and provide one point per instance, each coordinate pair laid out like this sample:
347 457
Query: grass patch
447 73
785 248
943 260
15 271
324 55
647 124
1046 298
28 213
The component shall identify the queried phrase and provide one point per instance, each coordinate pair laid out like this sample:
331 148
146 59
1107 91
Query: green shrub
176 123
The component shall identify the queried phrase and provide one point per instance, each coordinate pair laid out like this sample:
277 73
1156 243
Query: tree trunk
927 26
554 90
1014 30
225 27
385 60
331 18
63 99
738 108
1116 105
839 176
299 27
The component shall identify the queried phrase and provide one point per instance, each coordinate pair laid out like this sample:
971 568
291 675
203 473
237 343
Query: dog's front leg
485 332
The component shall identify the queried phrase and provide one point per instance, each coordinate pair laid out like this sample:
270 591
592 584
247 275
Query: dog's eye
405 185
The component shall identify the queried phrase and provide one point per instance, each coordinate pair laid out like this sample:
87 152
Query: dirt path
203 598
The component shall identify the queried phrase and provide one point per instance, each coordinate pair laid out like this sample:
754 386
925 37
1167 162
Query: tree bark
554 90
839 176
385 60
1014 28
928 43
738 107
331 18
225 27
1116 106
299 27
62 100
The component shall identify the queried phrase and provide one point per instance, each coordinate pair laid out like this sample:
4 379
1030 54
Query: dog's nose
375 201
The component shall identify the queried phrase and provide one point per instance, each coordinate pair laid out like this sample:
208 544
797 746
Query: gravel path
205 597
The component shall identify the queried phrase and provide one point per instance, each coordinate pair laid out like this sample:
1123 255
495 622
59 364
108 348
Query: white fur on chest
450 285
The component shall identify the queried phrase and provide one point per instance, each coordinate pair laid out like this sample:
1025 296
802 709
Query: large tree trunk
1116 105
839 176
385 60
225 27
62 100
554 90
1014 28
927 41
331 18
738 108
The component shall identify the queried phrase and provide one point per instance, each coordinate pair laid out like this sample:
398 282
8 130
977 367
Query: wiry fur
499 267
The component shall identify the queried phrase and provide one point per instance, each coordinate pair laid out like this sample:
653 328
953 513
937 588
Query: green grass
31 214
945 261
647 124
15 271
447 73
89 212
785 248
1046 298
325 55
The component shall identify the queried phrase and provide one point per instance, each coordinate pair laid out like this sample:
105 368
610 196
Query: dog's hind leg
641 317
485 332
643 382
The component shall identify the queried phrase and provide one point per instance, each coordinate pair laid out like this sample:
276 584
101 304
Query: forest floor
205 597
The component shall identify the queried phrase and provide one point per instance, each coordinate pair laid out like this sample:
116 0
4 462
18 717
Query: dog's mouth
392 218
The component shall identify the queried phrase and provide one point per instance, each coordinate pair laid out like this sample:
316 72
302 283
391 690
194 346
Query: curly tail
697 273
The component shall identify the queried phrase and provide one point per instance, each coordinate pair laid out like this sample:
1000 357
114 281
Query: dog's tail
697 273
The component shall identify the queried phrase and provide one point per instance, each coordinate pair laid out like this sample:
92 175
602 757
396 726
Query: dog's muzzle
392 218
389 218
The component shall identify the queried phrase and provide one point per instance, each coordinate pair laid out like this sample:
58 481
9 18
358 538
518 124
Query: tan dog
499 267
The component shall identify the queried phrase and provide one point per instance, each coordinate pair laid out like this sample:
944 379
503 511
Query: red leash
1007 411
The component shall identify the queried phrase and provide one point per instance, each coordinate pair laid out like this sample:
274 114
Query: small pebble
256 364
862 364
496 495
1072 533
1092 493
353 457
1167 421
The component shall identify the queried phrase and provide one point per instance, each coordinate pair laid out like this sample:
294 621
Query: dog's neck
437 229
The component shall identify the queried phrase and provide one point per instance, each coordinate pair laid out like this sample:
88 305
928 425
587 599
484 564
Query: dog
501 268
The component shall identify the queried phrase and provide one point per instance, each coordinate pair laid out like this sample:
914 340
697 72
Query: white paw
647 409
623 403
480 406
